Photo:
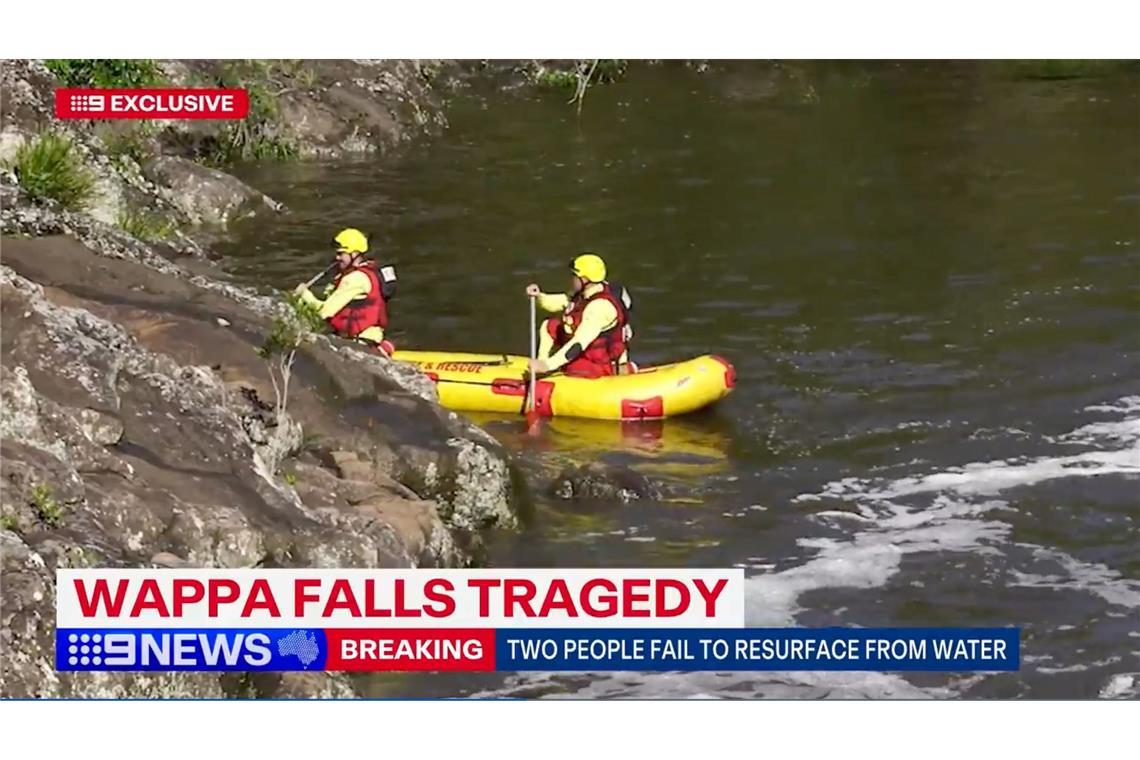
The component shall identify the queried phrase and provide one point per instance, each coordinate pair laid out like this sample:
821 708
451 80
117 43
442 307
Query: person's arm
599 316
553 301
353 285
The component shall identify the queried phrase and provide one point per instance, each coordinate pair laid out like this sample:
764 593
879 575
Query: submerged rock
601 482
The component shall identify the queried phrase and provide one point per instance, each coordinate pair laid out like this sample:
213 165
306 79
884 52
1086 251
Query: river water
928 278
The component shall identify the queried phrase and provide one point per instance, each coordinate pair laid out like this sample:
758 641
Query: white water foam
955 519
735 685
1122 686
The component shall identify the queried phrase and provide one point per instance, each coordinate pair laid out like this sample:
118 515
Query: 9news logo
87 103
89 649
138 650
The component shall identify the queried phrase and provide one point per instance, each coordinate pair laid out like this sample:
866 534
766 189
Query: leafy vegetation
261 134
579 78
9 521
49 168
279 350
105 72
298 72
557 79
45 505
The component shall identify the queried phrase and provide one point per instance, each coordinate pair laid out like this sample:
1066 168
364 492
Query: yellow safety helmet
351 241
590 267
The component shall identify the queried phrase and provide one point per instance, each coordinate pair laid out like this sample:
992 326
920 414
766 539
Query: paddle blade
533 422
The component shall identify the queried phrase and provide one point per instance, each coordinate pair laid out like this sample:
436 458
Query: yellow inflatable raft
498 383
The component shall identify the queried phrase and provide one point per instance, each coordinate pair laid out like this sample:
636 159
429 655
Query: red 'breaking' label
151 103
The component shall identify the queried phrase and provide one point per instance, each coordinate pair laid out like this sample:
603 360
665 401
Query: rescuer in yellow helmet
591 337
356 304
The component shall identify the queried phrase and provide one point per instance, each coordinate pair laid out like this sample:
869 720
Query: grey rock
168 559
100 427
205 195
600 482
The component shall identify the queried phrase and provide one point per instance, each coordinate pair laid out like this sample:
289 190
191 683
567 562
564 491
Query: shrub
49 167
557 79
581 76
279 350
105 72
45 505
260 135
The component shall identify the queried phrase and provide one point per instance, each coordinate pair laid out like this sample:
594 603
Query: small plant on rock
557 79
45 505
279 350
50 168
261 134
9 521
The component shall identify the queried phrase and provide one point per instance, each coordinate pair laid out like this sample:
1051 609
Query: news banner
469 620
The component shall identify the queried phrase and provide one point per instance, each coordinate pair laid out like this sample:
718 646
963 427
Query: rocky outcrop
205 195
135 428
306 108
321 108
134 432
27 91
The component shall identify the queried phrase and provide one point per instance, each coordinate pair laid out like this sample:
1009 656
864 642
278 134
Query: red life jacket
361 313
605 351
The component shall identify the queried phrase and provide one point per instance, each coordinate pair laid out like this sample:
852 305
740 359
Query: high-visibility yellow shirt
352 287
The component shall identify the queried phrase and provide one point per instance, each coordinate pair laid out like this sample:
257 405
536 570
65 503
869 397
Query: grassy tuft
9 521
47 508
49 168
105 72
